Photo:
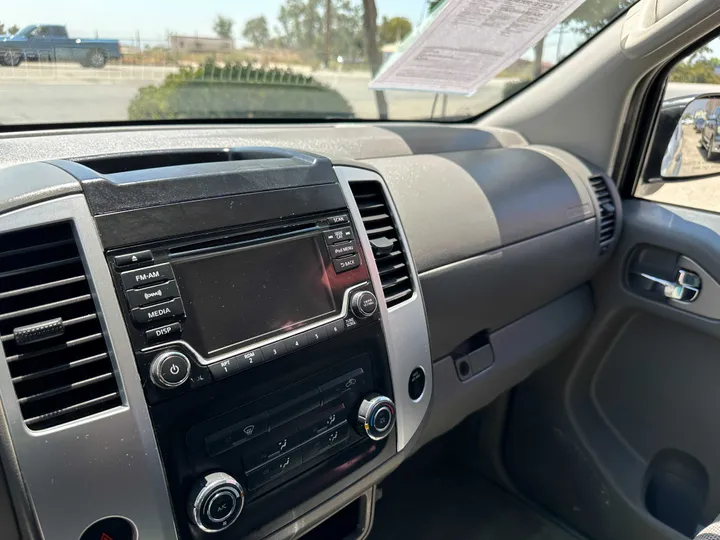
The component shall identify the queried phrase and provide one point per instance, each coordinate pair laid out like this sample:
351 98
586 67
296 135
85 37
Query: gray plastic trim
405 324
107 464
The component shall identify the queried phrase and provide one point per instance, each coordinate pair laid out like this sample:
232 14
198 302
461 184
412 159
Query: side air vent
607 210
385 241
49 328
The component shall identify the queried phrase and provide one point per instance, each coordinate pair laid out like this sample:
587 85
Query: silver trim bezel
202 360
405 324
108 463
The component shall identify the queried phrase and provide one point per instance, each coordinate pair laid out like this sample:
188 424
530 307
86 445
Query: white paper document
465 43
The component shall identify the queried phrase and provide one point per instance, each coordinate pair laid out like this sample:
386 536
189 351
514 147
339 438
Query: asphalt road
49 93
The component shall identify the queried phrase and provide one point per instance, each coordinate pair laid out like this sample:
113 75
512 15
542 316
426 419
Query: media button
225 368
152 295
340 250
346 263
273 350
146 275
316 335
295 343
158 312
163 333
133 258
338 235
335 328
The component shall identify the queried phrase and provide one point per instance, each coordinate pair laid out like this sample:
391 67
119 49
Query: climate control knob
215 502
363 304
170 369
376 416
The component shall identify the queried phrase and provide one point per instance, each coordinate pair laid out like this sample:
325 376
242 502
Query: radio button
158 312
225 368
334 328
273 350
249 359
346 263
152 295
163 333
338 220
295 343
338 235
316 335
146 275
340 250
133 258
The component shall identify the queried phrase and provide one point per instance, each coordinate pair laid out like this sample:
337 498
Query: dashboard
215 332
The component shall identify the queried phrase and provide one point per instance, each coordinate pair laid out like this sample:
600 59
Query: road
51 93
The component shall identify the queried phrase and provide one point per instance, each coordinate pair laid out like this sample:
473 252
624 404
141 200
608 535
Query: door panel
621 435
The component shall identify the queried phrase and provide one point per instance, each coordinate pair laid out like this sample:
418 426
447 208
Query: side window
684 165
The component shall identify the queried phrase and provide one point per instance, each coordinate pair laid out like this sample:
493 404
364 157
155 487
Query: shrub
237 91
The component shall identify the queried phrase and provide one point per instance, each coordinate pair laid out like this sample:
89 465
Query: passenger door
620 436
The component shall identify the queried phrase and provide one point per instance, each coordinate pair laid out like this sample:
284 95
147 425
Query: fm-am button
146 276
166 310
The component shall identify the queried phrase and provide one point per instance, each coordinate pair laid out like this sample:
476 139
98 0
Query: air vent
607 210
49 329
385 240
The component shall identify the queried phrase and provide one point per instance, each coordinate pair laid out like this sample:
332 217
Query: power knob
363 304
215 502
170 369
376 416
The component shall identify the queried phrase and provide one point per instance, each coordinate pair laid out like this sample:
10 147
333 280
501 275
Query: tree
223 26
373 53
593 15
14 29
394 30
256 31
433 5
2 28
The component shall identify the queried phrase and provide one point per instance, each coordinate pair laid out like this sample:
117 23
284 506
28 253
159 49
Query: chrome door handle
685 288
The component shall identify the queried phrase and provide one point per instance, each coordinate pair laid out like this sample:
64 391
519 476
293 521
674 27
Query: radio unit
204 309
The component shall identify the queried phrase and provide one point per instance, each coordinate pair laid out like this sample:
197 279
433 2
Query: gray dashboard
504 235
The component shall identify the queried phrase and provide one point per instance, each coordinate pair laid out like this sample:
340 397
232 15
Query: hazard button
111 528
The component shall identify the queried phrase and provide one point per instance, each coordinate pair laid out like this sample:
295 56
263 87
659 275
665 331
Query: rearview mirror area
694 148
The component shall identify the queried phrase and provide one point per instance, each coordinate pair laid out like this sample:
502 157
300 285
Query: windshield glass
276 59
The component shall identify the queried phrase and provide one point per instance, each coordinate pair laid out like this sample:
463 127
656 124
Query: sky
153 19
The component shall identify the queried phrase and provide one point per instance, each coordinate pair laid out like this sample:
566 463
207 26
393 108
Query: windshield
276 59
25 31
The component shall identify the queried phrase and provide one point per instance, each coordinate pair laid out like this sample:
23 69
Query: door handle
685 288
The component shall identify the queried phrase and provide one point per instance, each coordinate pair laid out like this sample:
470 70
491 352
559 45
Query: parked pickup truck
51 42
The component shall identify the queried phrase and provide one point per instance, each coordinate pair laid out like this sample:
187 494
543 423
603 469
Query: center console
263 359
266 332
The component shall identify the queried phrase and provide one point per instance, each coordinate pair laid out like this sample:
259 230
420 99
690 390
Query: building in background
196 44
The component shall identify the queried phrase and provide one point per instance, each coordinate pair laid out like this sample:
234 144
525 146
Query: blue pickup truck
51 42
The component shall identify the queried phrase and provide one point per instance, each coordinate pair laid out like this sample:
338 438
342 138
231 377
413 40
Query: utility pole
328 25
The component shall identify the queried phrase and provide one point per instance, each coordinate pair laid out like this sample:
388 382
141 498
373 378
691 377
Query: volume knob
363 304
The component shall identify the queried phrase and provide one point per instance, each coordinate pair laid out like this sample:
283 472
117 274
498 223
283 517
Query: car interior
507 326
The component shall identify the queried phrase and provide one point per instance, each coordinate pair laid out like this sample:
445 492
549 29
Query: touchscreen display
233 296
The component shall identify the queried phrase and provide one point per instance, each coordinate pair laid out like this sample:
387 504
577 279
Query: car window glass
690 170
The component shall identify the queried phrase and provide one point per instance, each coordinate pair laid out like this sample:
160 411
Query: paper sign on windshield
465 43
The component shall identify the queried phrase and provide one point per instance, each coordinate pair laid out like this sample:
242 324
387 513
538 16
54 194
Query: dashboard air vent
383 234
607 210
49 328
